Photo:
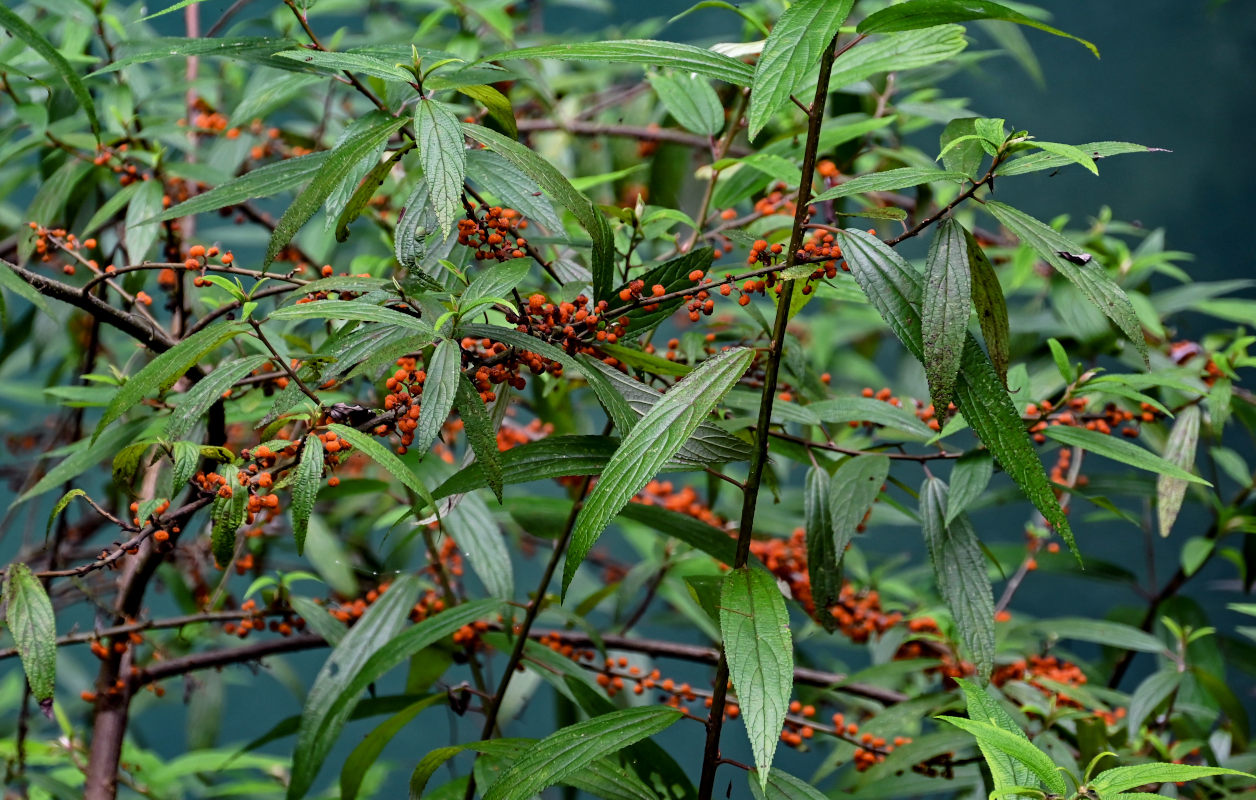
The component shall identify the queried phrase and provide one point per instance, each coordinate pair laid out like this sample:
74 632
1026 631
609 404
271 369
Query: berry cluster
1038 668
286 624
495 235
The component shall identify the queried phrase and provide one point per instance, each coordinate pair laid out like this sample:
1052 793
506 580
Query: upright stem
750 497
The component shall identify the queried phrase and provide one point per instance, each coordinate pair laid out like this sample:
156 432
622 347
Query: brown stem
815 119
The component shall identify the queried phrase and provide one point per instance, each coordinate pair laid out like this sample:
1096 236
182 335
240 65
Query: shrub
592 364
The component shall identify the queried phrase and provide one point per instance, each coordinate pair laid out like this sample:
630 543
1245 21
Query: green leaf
1150 694
496 282
381 455
896 52
969 480
332 696
257 49
915 14
362 195
682 57
351 310
568 750
363 139
1118 449
496 103
867 409
991 306
1099 631
369 749
443 371
28 614
691 100
960 570
652 442
947 305
983 706
791 53
161 373
1015 747
709 444
443 155
1036 162
782 786
479 538
551 457
894 289
321 622
306 480
1075 155
1090 278
1179 451
141 231
823 559
206 392
83 455
1118 779
349 62
553 181
959 152
480 434
852 490
265 181
227 514
754 624
888 181
61 506
19 27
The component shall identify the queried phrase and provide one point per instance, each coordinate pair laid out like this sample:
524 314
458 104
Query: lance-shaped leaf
265 181
496 103
991 306
915 14
557 185
362 195
443 154
960 569
364 138
888 181
710 444
1180 451
969 479
1036 162
853 489
1118 779
161 373
1120 450
822 558
551 457
894 289
306 480
1151 693
479 538
896 52
754 624
20 28
1091 279
443 370
206 392
31 621
984 707
571 749
480 434
381 624
369 749
684 57
1017 748
351 310
348 62
227 515
652 442
791 53
141 230
381 455
947 304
